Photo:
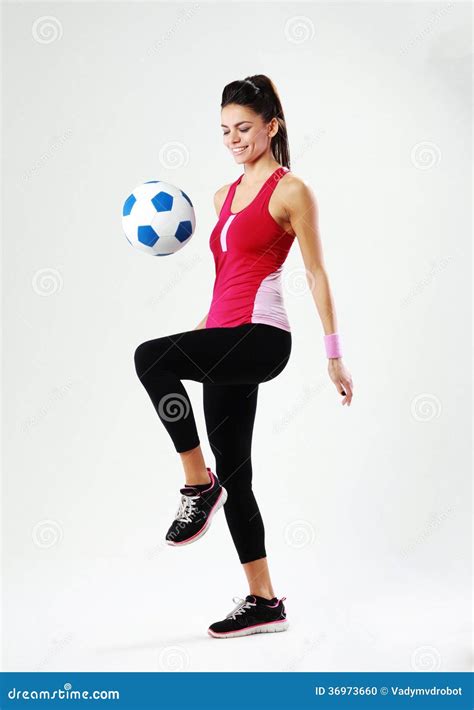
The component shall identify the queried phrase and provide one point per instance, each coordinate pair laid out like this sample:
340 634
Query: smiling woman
265 109
244 341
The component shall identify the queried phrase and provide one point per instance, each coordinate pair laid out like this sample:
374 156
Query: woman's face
246 136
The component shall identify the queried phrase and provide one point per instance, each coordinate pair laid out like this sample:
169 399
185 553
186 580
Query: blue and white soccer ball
158 218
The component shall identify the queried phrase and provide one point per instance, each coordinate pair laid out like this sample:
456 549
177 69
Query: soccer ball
158 218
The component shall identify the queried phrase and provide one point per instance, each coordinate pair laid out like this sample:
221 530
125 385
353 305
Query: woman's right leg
194 465
246 354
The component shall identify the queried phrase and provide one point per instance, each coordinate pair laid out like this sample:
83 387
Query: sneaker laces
186 508
241 608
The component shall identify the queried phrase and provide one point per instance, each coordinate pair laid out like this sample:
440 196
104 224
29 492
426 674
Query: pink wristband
333 345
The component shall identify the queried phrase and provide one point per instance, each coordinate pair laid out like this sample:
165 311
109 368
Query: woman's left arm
303 215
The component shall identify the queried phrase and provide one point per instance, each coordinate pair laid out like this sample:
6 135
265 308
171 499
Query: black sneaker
195 512
251 616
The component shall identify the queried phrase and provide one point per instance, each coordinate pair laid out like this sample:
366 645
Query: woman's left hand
341 377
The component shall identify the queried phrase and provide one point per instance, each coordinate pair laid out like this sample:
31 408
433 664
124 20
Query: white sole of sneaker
219 503
271 627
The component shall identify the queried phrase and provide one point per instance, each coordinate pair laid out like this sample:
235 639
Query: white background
367 508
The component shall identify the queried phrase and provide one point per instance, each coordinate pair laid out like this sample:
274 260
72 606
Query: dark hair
259 93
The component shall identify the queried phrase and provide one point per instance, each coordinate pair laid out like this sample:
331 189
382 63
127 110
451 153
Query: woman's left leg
229 411
258 577
230 414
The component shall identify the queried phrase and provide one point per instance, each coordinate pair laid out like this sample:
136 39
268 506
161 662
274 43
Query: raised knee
142 358
152 354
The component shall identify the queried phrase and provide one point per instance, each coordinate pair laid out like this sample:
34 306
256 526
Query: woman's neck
257 172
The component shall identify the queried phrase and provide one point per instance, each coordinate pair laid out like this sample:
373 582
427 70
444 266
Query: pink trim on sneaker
237 631
213 479
190 486
272 606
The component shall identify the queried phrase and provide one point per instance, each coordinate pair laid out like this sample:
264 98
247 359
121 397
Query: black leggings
230 362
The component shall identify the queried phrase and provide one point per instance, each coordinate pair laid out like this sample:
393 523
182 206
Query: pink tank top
249 249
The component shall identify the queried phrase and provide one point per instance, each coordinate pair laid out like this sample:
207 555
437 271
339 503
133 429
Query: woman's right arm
202 324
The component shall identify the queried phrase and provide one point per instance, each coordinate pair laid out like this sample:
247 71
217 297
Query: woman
243 341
